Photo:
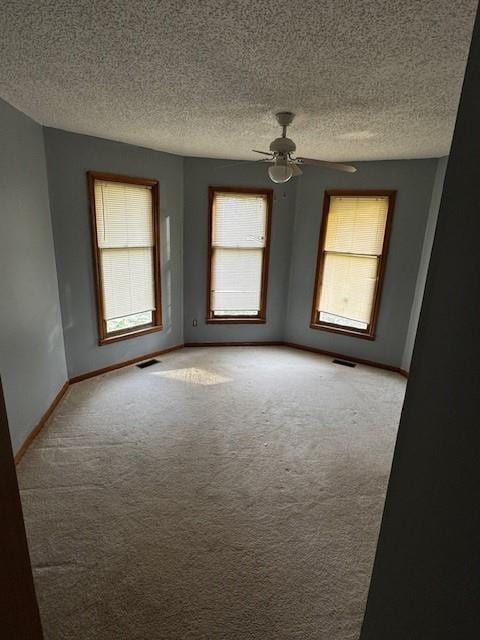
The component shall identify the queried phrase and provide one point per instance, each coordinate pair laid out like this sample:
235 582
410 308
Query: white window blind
352 251
125 239
238 243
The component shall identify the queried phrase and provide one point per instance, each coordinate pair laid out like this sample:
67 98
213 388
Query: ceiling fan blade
234 164
296 169
348 168
265 153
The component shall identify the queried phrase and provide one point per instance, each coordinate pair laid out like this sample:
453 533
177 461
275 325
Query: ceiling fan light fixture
286 164
280 172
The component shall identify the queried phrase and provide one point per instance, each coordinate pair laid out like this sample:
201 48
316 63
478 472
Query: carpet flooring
224 493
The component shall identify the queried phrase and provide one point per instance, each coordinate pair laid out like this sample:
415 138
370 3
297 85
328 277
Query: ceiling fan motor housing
282 145
284 118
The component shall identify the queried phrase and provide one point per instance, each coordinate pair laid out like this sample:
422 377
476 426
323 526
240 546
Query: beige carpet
228 493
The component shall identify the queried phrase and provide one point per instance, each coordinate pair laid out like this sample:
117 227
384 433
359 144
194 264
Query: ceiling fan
284 163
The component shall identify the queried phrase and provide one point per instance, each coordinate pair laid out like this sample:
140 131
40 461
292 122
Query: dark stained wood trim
19 614
392 195
360 192
261 318
158 320
370 333
44 419
319 263
42 422
326 326
293 345
236 320
117 177
267 343
266 255
125 363
156 325
133 333
95 253
343 356
211 192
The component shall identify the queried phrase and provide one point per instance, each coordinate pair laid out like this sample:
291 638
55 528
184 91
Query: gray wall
32 356
413 180
199 174
426 582
184 208
69 157
424 262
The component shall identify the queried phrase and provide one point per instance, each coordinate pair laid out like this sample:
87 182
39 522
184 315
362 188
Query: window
124 213
239 238
351 261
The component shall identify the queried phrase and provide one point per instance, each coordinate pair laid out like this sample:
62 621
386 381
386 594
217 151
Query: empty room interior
238 249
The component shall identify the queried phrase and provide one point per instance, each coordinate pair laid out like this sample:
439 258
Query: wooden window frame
105 337
315 323
261 317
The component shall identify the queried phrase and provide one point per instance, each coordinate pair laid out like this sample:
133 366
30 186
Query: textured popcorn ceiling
368 79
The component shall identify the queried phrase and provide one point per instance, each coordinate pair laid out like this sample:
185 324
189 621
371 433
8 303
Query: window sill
342 331
134 333
239 320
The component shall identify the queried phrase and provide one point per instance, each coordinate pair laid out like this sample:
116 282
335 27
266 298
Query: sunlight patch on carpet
192 375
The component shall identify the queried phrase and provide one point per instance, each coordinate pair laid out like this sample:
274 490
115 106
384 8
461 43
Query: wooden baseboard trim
119 365
125 363
342 356
293 345
235 344
43 420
